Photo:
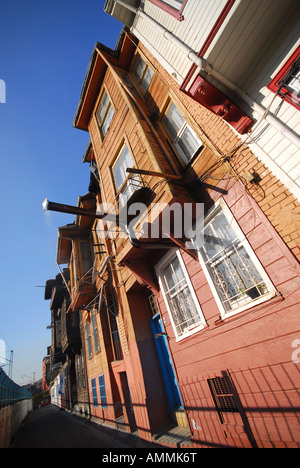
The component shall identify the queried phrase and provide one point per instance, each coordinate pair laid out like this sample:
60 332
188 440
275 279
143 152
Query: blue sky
45 49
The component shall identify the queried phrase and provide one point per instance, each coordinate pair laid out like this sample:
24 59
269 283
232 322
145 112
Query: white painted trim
160 265
272 291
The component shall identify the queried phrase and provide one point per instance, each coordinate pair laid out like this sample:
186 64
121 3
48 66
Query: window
111 308
286 83
125 183
179 295
153 304
143 73
95 332
223 396
86 256
94 392
82 370
102 391
78 373
173 7
183 138
105 113
234 272
88 339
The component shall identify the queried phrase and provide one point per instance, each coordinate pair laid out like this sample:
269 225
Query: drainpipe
138 244
200 62
203 65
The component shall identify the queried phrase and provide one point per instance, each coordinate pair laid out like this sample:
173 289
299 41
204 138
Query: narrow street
50 427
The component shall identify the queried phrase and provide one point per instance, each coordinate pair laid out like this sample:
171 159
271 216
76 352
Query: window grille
223 396
153 304
230 262
183 307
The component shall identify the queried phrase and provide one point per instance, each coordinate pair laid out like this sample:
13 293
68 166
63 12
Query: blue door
165 361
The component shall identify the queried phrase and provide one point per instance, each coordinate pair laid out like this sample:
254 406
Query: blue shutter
102 391
94 392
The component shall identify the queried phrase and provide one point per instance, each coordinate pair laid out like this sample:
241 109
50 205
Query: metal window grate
223 395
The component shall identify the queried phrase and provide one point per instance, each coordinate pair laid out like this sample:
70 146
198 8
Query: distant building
65 351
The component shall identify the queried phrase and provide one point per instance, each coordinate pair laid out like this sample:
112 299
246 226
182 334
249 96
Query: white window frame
131 182
175 141
247 303
107 118
174 4
95 332
141 80
167 259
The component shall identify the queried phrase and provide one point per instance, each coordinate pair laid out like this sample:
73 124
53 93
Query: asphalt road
50 427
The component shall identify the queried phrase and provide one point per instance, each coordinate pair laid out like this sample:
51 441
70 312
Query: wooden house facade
68 388
205 333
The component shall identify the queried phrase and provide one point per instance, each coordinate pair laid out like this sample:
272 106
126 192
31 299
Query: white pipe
259 109
205 66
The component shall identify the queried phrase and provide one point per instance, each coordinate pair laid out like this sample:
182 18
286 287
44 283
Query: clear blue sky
45 47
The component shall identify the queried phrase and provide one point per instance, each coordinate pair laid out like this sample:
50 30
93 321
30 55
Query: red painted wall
253 347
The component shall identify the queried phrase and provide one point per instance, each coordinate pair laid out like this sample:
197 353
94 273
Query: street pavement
51 427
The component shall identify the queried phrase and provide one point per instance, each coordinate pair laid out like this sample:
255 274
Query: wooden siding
256 342
193 30
255 39
249 50
274 198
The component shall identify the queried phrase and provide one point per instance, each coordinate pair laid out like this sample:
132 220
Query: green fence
10 392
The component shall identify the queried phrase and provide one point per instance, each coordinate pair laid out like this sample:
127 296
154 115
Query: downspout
138 244
200 62
203 65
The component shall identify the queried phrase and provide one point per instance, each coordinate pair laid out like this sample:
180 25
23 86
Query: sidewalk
51 427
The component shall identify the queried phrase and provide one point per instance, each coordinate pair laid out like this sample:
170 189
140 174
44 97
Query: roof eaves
101 47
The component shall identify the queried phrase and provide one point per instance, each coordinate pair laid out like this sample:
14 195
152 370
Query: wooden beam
132 170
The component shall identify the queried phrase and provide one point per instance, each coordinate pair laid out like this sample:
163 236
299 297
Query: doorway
166 365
